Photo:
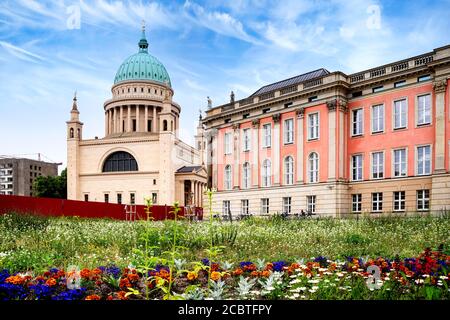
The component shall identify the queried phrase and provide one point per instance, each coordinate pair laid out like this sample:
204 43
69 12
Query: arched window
267 173
78 133
227 180
165 125
71 133
120 161
246 175
289 170
313 167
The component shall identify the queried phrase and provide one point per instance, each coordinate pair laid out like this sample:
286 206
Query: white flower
313 281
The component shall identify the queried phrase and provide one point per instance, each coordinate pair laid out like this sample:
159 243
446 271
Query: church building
140 155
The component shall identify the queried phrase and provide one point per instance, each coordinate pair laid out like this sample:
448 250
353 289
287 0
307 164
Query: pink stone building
377 141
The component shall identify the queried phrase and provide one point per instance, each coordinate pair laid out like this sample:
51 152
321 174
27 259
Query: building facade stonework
141 155
377 141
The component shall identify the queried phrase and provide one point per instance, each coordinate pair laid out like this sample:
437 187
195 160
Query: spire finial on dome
74 105
143 44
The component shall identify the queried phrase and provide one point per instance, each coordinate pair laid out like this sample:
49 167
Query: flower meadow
423 277
325 258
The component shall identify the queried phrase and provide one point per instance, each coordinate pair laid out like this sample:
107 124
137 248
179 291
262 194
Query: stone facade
377 141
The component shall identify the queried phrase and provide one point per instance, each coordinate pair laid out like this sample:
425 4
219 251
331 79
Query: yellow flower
215 275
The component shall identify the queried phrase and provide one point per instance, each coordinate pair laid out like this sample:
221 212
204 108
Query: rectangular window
378 118
288 131
106 198
377 202
400 114
119 198
266 110
154 198
245 116
86 197
423 200
244 206
356 202
424 109
149 125
134 124
377 89
226 208
267 135
357 167
287 201
311 204
265 206
313 126
399 200
377 165
246 140
424 160
132 198
400 163
357 122
313 98
399 83
424 78
228 142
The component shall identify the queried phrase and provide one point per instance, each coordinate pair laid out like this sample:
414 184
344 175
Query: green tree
51 187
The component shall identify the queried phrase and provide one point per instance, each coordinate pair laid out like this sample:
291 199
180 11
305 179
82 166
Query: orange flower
97 271
265 273
269 266
215 275
15 280
93 297
164 274
124 283
121 295
192 276
133 277
238 272
254 273
85 273
51 282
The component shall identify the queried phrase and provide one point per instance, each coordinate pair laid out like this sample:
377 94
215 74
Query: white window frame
375 163
353 134
246 175
372 119
423 173
357 202
313 168
228 180
399 202
266 173
377 201
352 167
246 139
314 128
265 206
394 163
422 200
418 116
245 208
288 170
267 135
228 143
311 202
288 131
287 204
226 207
394 103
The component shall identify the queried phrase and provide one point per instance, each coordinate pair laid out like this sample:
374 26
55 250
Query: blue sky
208 47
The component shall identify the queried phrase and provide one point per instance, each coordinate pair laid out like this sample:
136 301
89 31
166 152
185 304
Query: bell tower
200 141
74 136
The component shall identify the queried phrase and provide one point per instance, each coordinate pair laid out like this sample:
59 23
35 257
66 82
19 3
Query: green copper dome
142 66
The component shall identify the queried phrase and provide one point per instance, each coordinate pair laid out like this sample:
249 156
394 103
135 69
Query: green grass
30 242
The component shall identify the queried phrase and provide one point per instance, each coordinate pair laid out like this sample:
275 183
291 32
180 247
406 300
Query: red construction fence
85 209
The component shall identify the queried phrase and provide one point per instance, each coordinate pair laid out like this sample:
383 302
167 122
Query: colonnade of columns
131 118
197 189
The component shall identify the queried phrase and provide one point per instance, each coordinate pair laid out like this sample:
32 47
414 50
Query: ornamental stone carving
276 117
300 112
343 105
236 126
440 86
331 105
255 123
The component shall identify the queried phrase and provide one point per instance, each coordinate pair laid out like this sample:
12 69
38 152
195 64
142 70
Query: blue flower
113 270
42 291
278 265
3 275
54 270
75 294
205 262
10 291
245 263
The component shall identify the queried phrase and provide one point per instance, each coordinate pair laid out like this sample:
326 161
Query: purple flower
278 265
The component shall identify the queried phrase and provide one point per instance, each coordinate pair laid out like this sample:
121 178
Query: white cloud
20 53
